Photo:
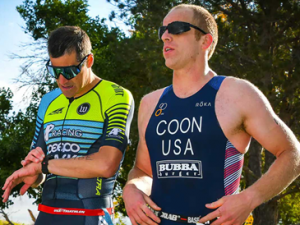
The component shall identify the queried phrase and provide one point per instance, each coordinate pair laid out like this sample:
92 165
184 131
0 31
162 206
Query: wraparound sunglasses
68 72
177 27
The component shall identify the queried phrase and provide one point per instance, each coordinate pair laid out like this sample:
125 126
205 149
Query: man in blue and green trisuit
82 131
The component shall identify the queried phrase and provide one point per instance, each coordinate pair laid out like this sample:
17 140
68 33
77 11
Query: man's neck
91 83
190 80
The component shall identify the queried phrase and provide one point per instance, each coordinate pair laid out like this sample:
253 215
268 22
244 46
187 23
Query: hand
35 155
136 206
231 210
27 174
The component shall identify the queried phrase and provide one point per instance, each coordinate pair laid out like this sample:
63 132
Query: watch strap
45 164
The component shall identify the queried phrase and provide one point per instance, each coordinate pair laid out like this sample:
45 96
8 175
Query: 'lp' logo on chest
83 108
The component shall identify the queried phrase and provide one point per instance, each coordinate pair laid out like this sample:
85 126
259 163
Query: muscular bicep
110 157
264 125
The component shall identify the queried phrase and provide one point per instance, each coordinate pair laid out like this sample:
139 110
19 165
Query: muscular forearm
139 179
283 171
94 165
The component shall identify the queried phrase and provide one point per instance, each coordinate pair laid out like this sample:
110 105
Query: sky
11 38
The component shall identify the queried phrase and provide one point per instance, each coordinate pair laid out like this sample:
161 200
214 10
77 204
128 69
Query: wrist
44 164
128 187
252 198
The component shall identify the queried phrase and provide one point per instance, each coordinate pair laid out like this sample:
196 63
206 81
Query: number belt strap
180 218
74 211
189 219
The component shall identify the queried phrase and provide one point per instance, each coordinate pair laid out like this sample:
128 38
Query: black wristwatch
45 164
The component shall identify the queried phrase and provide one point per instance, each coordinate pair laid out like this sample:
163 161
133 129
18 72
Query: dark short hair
66 39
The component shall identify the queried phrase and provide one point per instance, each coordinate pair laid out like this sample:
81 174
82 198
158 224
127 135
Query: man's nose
166 36
61 79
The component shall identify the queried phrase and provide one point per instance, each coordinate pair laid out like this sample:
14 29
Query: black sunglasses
177 27
68 72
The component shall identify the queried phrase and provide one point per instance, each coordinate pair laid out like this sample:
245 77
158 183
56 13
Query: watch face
44 166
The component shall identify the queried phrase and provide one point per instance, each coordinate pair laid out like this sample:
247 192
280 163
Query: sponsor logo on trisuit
179 169
83 108
57 111
203 104
161 107
114 132
118 90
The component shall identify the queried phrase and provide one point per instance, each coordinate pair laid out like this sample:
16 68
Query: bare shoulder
240 107
259 119
242 94
153 97
236 86
147 106
149 101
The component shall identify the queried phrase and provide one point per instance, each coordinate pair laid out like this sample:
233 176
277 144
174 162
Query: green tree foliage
62 13
16 132
290 209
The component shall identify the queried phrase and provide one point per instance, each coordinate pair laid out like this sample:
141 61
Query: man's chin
170 65
68 94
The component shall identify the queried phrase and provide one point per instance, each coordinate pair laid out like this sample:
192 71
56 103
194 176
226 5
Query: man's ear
207 40
90 60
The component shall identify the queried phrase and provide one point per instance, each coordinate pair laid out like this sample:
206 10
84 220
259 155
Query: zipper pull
71 100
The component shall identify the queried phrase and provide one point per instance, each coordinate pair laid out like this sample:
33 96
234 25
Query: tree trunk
266 214
254 163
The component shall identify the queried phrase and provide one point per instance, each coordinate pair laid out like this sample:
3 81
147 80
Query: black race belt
180 218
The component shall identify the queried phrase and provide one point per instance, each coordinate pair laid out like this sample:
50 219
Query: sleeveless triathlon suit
193 163
68 128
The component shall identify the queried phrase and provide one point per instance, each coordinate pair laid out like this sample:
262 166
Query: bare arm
259 121
263 124
138 178
141 174
138 188
103 163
